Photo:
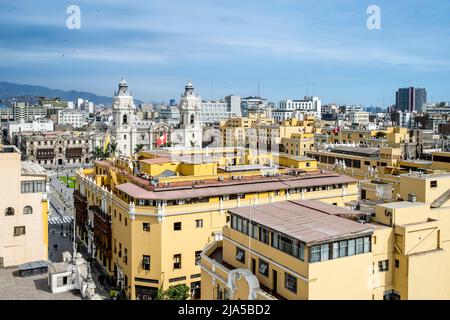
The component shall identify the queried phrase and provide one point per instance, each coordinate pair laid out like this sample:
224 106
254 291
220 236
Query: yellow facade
408 259
151 228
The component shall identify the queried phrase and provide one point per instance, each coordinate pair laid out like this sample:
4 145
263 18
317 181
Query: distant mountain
30 92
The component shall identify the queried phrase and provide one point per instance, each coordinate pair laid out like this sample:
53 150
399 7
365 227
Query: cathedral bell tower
123 131
190 127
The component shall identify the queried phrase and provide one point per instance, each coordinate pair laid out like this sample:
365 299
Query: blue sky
292 47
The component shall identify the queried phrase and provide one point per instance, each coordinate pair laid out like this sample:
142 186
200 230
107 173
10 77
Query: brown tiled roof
217 189
303 223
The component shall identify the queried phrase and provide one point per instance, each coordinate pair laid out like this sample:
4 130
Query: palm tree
112 148
97 154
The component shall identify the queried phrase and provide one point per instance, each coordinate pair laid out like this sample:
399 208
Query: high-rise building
411 99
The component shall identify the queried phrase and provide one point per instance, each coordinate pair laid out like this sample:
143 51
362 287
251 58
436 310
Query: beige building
23 210
308 250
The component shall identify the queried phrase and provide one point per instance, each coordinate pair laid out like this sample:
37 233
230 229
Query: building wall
31 246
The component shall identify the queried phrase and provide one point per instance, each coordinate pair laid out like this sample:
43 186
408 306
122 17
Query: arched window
192 119
27 210
9 211
125 119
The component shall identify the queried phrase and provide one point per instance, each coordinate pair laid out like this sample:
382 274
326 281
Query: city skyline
291 49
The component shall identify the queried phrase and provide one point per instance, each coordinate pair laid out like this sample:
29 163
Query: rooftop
401 204
308 221
209 188
31 168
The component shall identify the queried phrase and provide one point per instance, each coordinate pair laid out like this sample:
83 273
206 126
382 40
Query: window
146 262
359 245
197 256
18 231
343 246
240 255
146 226
120 217
120 250
397 263
32 186
263 268
264 235
290 282
433 184
351 247
177 261
125 256
9 211
199 223
27 210
335 253
367 244
383 265
320 253
126 221
177 226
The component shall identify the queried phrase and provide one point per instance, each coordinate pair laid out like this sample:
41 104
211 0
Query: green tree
138 148
380 135
178 292
98 154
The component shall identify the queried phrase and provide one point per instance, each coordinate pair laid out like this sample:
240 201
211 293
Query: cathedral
128 133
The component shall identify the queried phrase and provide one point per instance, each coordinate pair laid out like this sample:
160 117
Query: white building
85 105
213 111
128 132
359 117
43 125
190 131
308 105
123 130
75 118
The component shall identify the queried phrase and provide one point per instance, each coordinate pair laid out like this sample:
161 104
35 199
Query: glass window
146 262
351 247
27 210
315 254
19 230
263 268
199 223
335 250
325 251
343 245
367 244
177 226
240 255
359 245
383 265
177 261
290 282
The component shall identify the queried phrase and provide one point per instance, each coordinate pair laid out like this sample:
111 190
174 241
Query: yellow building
357 161
390 137
148 228
23 210
311 250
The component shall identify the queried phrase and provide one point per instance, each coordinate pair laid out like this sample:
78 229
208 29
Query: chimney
412 197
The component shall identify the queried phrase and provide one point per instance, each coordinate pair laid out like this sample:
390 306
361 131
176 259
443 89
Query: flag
162 139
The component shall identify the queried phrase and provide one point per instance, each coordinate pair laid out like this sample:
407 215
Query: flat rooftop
401 204
30 168
307 221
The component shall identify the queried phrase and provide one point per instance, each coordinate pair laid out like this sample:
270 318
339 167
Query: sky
292 48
